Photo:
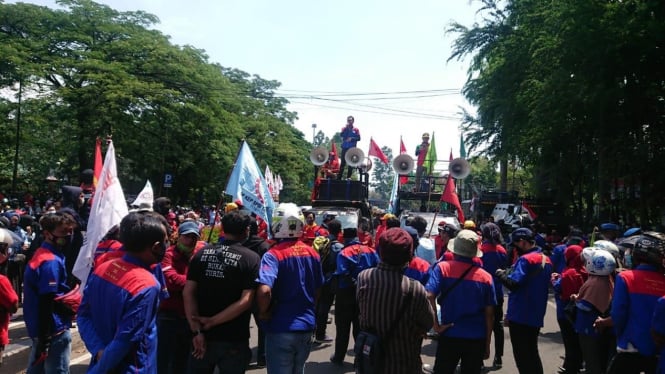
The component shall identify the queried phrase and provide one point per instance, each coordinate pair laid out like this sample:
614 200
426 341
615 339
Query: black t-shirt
222 272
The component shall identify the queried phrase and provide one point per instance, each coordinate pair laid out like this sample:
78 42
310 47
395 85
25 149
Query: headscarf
491 233
597 291
573 256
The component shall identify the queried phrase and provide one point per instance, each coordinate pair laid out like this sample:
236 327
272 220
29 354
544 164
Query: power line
398 114
390 109
348 93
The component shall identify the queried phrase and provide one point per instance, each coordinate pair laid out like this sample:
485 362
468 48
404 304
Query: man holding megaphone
350 136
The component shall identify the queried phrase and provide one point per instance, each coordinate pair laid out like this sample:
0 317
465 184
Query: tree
383 175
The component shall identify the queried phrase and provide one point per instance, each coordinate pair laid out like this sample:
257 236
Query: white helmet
6 236
288 227
587 253
601 263
608 246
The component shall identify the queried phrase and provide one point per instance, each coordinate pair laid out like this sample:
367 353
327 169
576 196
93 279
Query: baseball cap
189 227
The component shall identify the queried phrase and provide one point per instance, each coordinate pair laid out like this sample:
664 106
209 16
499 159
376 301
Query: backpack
321 244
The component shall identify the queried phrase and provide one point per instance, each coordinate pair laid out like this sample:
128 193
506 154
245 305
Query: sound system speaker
331 189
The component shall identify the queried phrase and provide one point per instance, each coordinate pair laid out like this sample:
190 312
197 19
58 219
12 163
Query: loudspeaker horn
318 156
354 157
459 168
403 164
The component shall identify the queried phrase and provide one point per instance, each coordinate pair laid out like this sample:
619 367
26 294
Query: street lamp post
313 133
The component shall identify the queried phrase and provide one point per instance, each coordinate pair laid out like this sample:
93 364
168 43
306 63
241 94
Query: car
433 219
348 216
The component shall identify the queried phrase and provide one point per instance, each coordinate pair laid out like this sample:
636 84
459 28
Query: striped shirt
380 294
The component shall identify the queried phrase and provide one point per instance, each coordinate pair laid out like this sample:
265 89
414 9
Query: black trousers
632 363
572 361
346 315
497 329
524 340
326 298
343 164
450 351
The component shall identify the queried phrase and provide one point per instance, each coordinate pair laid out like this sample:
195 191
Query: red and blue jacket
494 257
464 306
174 268
118 315
528 281
418 269
44 274
658 326
353 259
352 133
292 270
636 293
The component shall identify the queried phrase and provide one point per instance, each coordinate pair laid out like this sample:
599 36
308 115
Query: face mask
184 249
62 242
159 253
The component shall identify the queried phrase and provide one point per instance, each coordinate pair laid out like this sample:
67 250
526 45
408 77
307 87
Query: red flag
451 154
333 149
527 208
404 179
97 170
450 196
375 151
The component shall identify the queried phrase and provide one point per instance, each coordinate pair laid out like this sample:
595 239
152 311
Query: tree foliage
571 93
91 71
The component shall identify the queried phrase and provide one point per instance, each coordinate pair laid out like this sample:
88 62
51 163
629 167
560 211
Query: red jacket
174 266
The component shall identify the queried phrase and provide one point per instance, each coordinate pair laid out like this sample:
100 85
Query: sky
369 50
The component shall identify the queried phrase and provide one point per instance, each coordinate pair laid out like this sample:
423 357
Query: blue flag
392 205
248 185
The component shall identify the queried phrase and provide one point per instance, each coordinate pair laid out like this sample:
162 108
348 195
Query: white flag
145 197
108 209
269 180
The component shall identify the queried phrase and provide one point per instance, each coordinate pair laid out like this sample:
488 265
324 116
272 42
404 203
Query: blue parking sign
168 180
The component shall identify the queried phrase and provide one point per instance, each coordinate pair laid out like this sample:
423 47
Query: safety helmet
469 225
289 227
587 253
608 246
649 248
601 263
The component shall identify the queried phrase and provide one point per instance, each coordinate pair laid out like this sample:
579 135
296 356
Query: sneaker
261 363
335 360
497 362
323 339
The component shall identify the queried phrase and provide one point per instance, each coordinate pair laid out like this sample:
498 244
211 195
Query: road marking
85 357
13 325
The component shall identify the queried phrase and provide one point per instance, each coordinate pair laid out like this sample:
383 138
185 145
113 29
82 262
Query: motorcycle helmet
608 246
289 227
601 263
648 248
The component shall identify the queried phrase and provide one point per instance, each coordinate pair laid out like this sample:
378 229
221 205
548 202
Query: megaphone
319 156
354 157
459 168
366 165
403 164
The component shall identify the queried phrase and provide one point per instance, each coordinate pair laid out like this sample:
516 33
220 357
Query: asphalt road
550 345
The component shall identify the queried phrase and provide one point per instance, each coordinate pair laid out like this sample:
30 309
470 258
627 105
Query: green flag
462 150
430 158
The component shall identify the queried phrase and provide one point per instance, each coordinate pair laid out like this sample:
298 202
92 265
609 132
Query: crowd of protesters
173 290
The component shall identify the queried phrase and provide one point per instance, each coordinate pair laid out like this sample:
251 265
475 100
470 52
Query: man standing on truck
421 153
350 136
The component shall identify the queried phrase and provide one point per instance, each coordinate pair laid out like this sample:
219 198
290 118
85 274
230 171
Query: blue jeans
287 352
227 357
57 361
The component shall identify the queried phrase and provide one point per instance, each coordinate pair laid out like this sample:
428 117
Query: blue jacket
353 259
528 281
118 314
658 326
352 133
636 293
464 306
292 270
495 257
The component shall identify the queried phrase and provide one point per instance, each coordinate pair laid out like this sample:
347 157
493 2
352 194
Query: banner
108 209
430 158
248 185
392 205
